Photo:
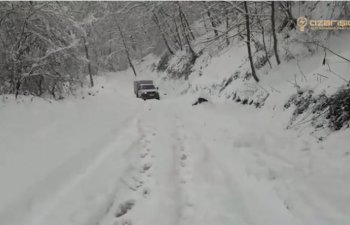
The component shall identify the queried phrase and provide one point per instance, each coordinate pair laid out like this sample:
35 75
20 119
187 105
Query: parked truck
145 89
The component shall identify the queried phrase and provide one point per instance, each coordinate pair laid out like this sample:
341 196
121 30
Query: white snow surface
112 159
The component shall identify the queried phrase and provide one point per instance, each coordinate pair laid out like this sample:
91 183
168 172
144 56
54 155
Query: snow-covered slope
111 159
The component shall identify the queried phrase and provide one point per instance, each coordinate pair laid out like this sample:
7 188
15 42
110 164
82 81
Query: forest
53 48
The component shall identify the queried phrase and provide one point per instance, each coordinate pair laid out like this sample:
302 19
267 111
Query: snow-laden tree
40 42
53 47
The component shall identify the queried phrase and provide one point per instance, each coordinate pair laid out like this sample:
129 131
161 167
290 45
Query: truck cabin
147 86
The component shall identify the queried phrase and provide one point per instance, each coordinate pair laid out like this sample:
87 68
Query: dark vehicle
145 89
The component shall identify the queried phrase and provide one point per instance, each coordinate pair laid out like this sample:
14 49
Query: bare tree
156 21
126 49
211 19
248 42
274 32
227 27
177 34
185 22
286 7
262 28
86 47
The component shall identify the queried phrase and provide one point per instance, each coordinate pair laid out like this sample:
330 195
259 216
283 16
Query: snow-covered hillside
104 157
109 158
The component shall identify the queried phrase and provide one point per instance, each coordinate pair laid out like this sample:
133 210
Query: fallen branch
326 48
302 73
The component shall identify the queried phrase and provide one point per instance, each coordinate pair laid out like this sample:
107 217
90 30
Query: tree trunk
185 21
227 26
126 50
264 43
212 23
186 36
248 42
274 32
263 39
177 34
205 24
13 77
89 63
289 11
156 21
289 20
18 86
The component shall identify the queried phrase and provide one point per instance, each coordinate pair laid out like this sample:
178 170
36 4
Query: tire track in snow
235 197
95 162
164 176
135 182
184 167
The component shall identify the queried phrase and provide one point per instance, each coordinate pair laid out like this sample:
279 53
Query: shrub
183 67
333 111
163 62
339 109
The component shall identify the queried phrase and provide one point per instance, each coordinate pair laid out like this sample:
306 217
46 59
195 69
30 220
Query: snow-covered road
189 172
112 159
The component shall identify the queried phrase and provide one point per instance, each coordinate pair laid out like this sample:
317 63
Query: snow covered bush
301 101
180 66
163 62
337 108
321 110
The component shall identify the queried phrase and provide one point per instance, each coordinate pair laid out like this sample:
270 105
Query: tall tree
274 33
86 47
248 42
227 27
185 22
212 21
42 48
156 21
186 33
126 49
262 29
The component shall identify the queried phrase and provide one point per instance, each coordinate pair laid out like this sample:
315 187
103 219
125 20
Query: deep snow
113 159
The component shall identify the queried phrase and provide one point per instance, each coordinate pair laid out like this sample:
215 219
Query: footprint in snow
125 207
146 167
139 184
146 192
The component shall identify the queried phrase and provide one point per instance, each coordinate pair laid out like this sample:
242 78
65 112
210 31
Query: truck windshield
147 87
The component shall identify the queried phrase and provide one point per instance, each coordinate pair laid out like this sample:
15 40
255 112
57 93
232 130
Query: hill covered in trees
49 48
